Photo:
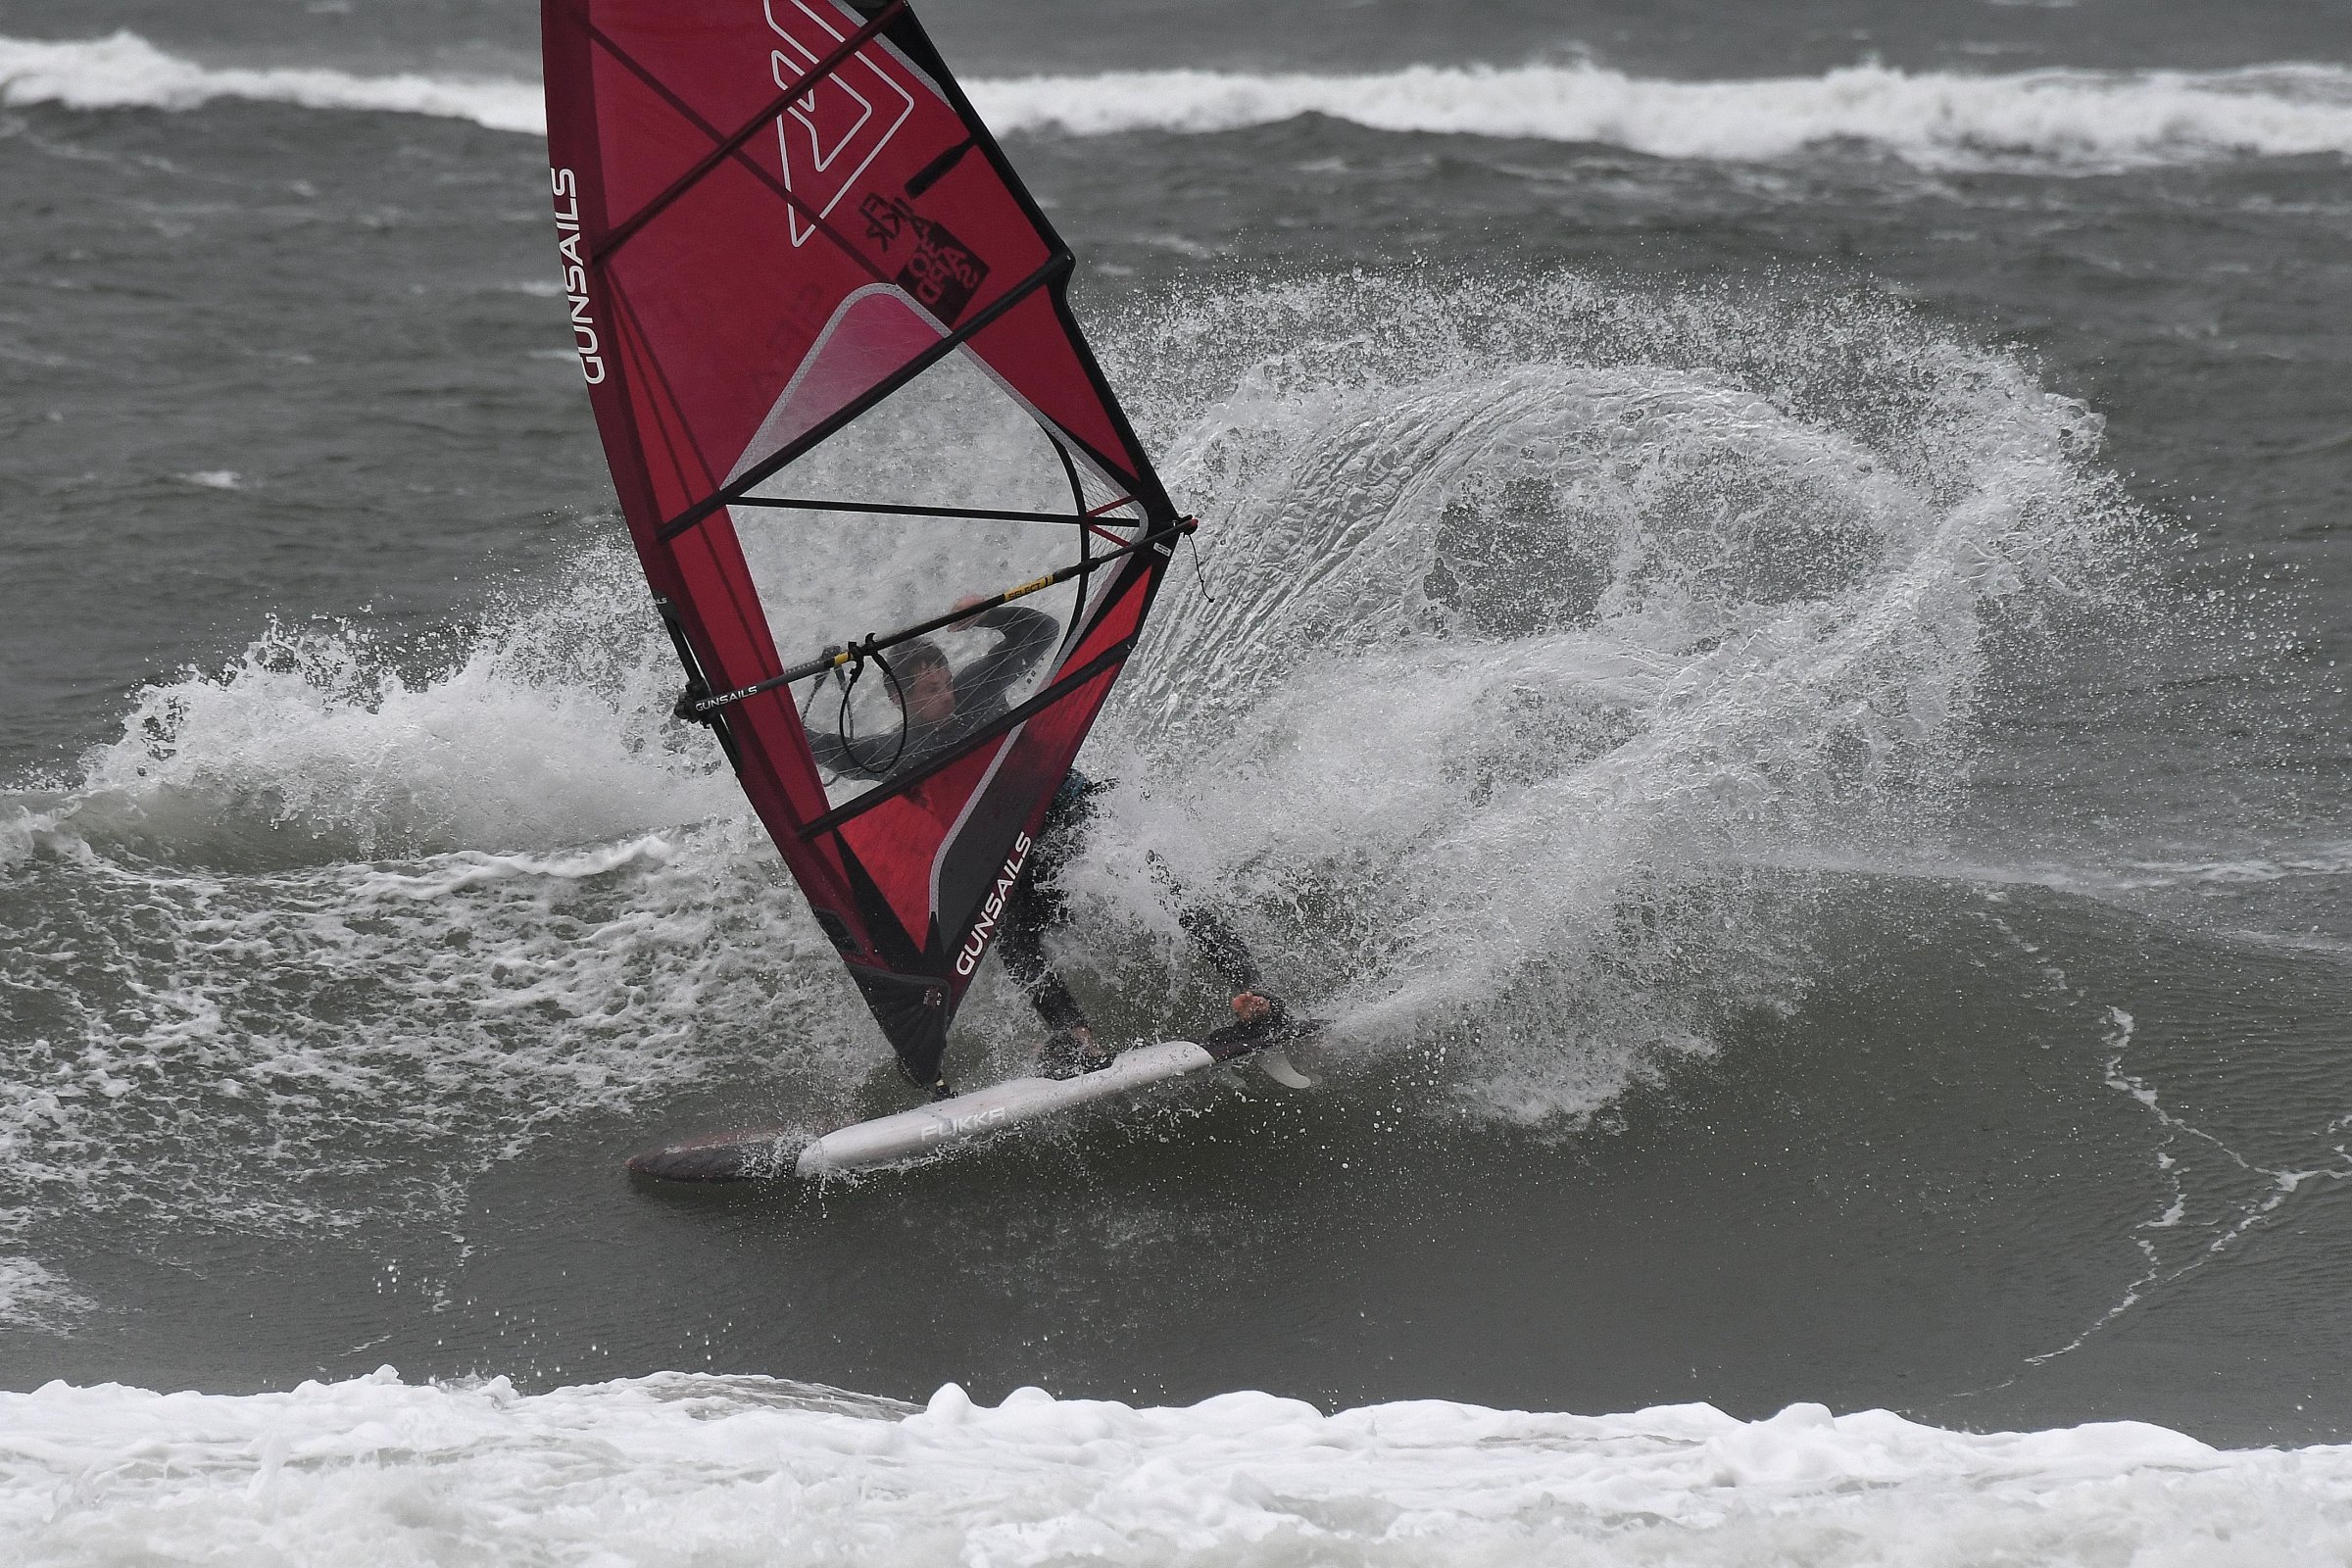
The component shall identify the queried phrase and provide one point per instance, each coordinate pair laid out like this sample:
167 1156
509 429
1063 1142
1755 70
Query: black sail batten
777 462
621 232
875 644
906 36
894 509
729 149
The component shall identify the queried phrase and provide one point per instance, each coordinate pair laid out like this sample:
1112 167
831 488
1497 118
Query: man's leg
1258 1015
1222 948
1036 907
1029 913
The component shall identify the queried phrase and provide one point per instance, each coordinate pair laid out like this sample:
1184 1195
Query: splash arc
774 219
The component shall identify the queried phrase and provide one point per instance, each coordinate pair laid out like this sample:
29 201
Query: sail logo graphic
834 132
940 271
994 909
576 277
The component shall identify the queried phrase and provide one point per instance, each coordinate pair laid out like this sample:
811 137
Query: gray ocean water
1768 643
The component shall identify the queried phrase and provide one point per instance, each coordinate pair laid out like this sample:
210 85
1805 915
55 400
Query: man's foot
1067 1052
1264 1021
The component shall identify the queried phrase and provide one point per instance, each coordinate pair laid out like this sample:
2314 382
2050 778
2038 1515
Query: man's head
925 680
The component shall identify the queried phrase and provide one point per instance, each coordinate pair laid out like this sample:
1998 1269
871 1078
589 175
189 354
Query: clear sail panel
831 575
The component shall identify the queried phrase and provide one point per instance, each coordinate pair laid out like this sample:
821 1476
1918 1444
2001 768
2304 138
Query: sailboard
765 1154
855 432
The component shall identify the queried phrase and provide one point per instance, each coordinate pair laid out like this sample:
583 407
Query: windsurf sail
826 335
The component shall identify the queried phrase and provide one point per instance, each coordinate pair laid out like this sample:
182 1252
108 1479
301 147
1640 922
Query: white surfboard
945 1123
766 1152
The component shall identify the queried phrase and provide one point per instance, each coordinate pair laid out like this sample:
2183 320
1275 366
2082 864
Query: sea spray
325 931
541 723
1541 609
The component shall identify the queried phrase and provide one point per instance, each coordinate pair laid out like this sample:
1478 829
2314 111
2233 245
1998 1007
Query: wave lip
2065 120
2068 119
124 70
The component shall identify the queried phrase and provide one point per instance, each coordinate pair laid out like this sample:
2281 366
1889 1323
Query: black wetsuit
983 690
1038 905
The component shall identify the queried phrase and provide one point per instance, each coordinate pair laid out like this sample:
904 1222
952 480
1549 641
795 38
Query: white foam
124 70
34 1295
572 910
473 999
2071 119
1541 611
675 1468
549 730
2315 860
2061 119
2208 874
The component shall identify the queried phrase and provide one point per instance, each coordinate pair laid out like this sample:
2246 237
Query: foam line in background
2072 119
2067 120
124 70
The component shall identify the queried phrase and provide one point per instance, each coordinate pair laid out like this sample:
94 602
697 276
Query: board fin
1278 1068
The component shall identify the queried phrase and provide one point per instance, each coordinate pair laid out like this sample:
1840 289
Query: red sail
775 217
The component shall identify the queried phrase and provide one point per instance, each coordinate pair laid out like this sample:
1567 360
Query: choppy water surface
1765 641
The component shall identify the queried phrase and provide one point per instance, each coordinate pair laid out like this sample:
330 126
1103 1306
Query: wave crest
2059 120
124 70
2073 121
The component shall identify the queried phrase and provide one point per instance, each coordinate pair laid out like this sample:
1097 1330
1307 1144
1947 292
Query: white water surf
689 1469
1771 540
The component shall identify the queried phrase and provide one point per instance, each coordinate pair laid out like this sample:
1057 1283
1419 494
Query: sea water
1764 642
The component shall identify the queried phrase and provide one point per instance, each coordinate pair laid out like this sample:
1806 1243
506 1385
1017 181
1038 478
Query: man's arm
1028 636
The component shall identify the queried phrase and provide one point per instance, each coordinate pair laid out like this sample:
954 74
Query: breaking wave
541 727
124 70
756 1469
2062 120
2074 121
321 930
1542 612
1537 615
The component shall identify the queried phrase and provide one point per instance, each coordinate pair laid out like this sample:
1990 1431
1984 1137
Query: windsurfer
939 705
